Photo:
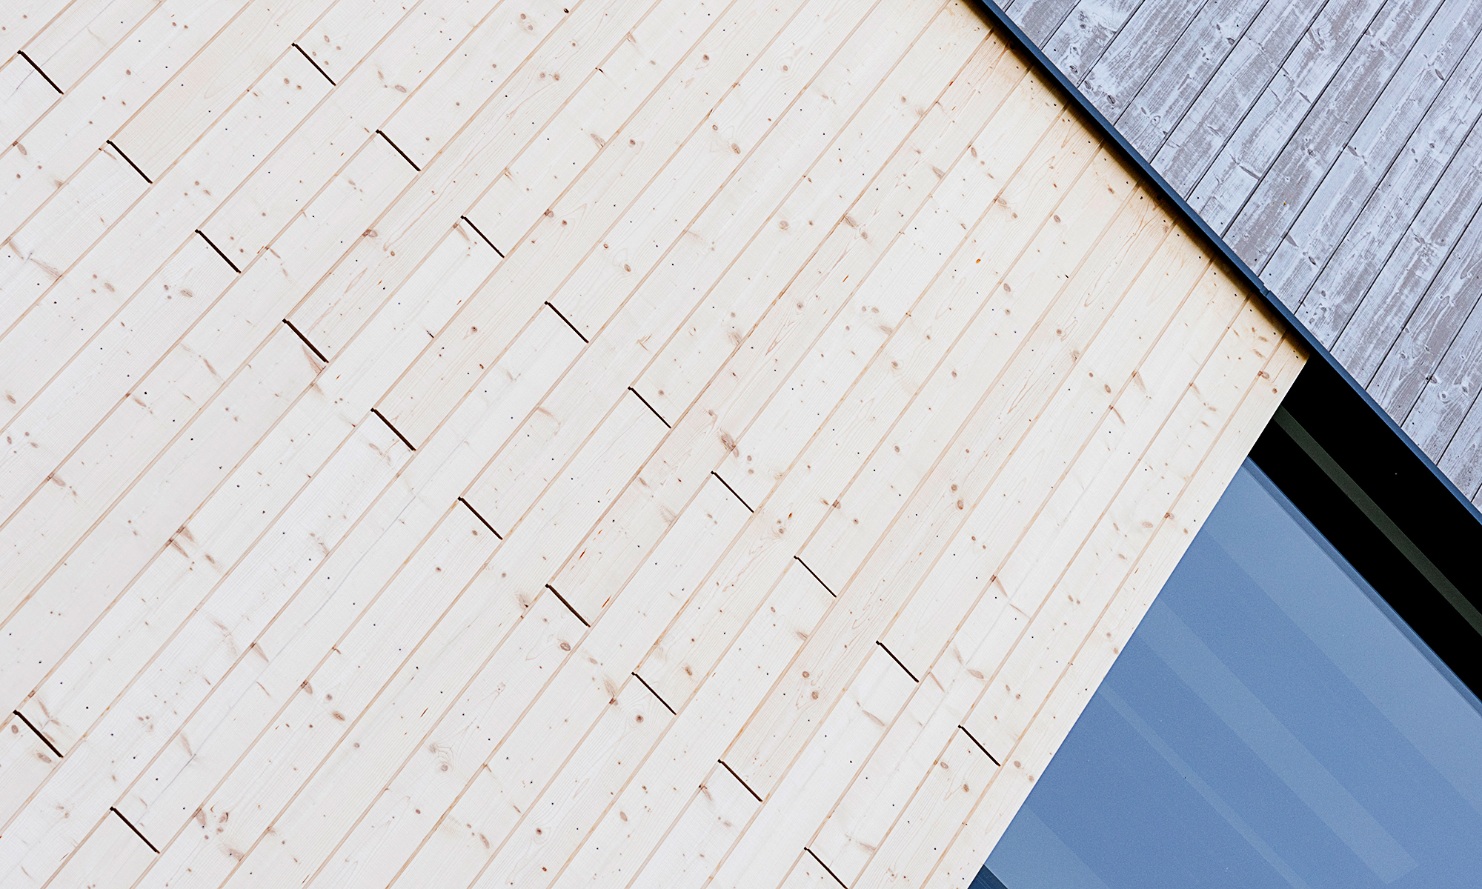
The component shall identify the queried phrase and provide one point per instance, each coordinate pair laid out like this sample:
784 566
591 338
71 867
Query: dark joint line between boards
651 408
130 161
897 660
571 609
573 327
44 75
397 148
300 334
397 432
732 490
44 739
823 865
224 257
478 231
979 744
311 61
740 780
816 577
137 833
479 516
655 694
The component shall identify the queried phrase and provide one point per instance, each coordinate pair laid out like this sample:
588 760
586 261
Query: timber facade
627 442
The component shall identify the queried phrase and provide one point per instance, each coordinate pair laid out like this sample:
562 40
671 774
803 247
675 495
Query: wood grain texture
621 442
1335 146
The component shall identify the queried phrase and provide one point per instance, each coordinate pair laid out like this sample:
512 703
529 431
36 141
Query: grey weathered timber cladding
1335 146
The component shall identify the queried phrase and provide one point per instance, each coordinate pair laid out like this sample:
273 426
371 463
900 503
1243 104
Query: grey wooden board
1336 145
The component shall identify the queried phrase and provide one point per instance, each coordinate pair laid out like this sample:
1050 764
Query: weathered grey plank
1039 18
1462 459
1386 259
1338 145
1276 116
1232 92
1086 33
1395 234
1374 102
1431 374
1183 73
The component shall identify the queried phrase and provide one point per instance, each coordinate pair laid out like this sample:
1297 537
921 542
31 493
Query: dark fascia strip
1430 495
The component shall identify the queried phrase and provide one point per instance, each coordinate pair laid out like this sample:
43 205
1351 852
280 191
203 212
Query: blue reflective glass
1270 724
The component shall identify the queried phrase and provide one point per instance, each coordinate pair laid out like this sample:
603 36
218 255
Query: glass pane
1270 724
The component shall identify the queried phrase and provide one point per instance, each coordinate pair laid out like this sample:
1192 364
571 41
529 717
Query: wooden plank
809 873
23 19
242 800
501 127
1195 54
814 480
50 152
210 571
945 799
719 810
127 293
557 824
298 625
180 386
112 855
864 814
480 815
1442 233
1078 44
1271 123
501 488
262 211
339 39
1392 250
27 760
1040 18
1375 99
46 246
1142 578
762 753
82 34
856 240
1423 379
199 92
991 560
450 766
25 95
585 220
1245 73
999 719
817 780
655 795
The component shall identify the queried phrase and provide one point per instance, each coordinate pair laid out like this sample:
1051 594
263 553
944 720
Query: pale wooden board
652 373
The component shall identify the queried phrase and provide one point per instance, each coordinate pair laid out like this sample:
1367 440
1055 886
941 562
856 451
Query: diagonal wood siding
1336 146
605 442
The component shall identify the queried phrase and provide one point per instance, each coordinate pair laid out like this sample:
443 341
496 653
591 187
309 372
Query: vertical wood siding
595 442
1336 146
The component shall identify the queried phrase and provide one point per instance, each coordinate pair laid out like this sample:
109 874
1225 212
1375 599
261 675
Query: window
1273 722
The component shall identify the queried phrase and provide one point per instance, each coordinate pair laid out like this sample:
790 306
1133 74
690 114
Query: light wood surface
607 442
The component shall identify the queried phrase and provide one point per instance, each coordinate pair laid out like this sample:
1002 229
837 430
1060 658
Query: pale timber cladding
1336 145
643 442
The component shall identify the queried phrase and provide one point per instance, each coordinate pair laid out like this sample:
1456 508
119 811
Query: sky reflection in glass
1271 724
